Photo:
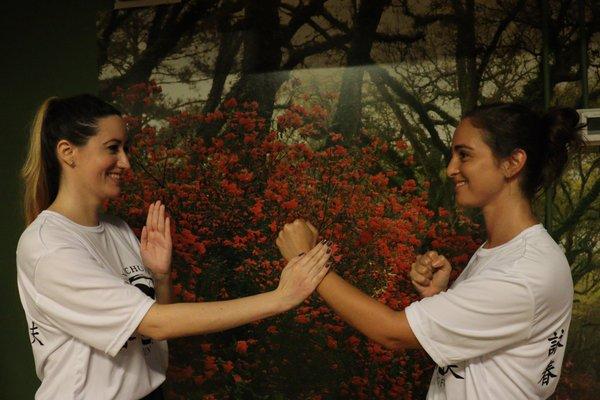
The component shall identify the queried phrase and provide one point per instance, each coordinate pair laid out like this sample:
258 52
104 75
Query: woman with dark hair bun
97 301
500 330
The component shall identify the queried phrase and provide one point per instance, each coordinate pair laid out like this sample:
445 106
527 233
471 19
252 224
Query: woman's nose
452 168
124 161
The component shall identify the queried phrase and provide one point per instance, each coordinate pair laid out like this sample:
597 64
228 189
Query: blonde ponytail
34 173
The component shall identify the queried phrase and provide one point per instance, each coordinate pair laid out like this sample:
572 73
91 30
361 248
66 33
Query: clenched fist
430 273
296 238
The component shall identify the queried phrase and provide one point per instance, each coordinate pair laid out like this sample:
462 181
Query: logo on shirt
555 343
442 371
137 276
34 333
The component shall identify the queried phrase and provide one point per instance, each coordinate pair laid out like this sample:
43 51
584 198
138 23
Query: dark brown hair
546 138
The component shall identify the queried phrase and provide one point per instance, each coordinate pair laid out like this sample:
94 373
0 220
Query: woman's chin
113 193
463 202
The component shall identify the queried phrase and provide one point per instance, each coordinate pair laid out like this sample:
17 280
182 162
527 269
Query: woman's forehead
467 134
111 128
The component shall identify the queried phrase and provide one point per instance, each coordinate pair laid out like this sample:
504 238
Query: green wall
48 48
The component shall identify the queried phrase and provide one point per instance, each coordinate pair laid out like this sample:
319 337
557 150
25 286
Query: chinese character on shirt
33 331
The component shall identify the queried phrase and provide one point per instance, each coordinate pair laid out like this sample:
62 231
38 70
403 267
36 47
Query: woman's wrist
281 301
160 278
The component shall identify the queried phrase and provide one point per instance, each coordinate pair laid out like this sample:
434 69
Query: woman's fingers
157 207
156 221
425 270
161 219
418 278
319 260
311 261
144 239
168 230
440 262
319 277
151 220
294 260
311 258
150 215
419 273
423 264
419 286
314 251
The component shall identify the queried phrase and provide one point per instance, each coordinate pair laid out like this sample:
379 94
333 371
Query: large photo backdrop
244 115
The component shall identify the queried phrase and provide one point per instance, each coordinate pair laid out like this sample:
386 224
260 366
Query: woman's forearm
166 321
298 280
374 319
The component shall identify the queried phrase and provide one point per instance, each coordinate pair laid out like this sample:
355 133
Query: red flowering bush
230 182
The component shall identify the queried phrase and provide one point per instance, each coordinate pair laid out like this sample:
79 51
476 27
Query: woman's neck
76 208
505 220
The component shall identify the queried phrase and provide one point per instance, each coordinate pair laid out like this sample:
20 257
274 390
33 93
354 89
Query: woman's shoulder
40 237
544 266
45 231
534 258
542 250
533 246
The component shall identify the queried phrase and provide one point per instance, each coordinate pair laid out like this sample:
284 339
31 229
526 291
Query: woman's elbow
392 344
400 343
397 334
154 334
150 325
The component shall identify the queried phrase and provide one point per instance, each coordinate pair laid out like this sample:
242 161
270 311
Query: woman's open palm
156 245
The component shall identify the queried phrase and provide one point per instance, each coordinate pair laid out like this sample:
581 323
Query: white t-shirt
84 291
500 331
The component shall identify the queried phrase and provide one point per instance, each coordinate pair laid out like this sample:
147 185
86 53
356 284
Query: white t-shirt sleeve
477 317
87 301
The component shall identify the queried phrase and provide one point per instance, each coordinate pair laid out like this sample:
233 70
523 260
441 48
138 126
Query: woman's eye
114 148
463 155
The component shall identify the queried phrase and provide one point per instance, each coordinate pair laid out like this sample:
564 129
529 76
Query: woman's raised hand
430 273
302 275
156 246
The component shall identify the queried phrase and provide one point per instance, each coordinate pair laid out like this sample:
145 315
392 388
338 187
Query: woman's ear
65 151
514 163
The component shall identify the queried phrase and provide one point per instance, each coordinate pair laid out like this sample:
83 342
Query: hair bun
563 129
562 126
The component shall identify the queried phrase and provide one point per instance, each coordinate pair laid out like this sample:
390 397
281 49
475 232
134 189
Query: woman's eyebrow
113 140
462 147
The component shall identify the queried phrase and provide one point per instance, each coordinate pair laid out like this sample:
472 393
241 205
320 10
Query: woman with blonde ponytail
96 299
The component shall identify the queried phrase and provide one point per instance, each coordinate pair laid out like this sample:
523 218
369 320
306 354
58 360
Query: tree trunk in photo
466 56
228 48
347 118
260 78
